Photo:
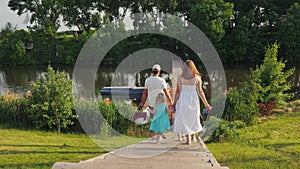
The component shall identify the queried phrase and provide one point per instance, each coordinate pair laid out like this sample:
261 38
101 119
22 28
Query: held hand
140 106
171 108
208 107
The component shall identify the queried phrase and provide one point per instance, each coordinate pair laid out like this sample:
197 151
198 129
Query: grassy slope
36 149
271 144
274 143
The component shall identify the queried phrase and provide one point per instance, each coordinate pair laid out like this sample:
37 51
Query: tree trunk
58 126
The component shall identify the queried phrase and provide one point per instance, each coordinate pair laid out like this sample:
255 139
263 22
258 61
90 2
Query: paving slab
169 154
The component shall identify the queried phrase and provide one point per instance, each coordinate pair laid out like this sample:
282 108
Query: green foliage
13 46
100 117
51 101
118 115
209 16
266 88
289 32
19 55
233 47
271 78
241 105
14 110
78 13
255 25
270 144
20 47
43 13
239 29
68 50
226 131
89 116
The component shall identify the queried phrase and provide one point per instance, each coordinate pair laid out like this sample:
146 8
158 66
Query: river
17 79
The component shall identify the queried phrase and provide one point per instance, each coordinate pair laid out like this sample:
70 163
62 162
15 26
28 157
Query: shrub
88 114
51 101
14 109
241 105
271 79
225 131
119 116
100 117
266 88
265 109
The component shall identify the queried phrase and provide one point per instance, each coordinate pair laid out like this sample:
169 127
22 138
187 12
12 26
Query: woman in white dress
189 88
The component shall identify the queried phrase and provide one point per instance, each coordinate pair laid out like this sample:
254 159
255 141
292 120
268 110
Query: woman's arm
201 93
178 89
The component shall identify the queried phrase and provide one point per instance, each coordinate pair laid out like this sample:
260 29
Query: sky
7 15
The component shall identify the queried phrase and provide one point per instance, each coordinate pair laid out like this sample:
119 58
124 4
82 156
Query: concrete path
169 154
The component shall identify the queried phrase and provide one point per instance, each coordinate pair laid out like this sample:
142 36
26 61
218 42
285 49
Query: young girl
160 122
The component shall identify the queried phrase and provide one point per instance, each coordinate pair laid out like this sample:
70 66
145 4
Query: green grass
272 144
37 149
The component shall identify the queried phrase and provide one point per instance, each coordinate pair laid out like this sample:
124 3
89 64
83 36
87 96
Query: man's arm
144 98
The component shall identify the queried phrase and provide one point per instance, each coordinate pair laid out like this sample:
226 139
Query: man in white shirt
154 85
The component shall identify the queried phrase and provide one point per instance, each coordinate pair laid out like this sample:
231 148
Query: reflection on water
3 85
17 80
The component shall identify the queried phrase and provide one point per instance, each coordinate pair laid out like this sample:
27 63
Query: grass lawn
37 149
272 144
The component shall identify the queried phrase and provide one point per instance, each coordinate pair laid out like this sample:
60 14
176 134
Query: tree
260 29
13 46
44 13
51 101
209 16
5 42
234 45
81 14
19 53
114 9
289 33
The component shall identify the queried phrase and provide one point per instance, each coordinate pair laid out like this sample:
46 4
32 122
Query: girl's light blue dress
160 121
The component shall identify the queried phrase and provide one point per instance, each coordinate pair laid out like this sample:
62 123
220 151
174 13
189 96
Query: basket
141 117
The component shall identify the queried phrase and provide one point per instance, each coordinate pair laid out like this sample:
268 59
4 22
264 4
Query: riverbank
273 143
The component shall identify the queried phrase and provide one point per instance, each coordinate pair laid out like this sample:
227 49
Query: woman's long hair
190 70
